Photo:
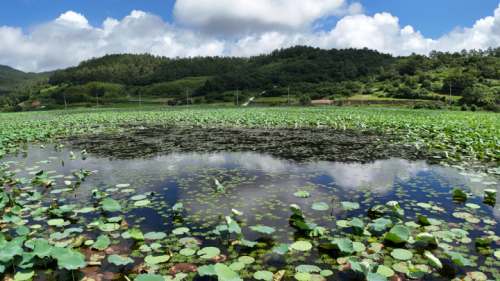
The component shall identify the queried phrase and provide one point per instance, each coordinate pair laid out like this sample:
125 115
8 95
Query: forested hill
281 67
12 79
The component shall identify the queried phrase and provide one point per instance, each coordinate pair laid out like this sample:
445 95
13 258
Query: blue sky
39 35
433 18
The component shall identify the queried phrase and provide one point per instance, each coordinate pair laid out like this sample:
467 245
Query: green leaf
458 258
110 205
24 274
177 207
155 235
224 273
102 243
41 175
282 249
398 234
23 230
491 193
481 241
307 268
321 206
208 252
302 194
296 210
78 241
11 250
401 254
149 277
42 248
263 229
302 246
206 270
119 260
375 277
350 205
432 259
72 260
345 245
357 226
263 275
157 258
218 186
136 234
460 193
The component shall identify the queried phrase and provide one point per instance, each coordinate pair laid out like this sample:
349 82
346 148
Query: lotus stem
13 266
72 274
44 265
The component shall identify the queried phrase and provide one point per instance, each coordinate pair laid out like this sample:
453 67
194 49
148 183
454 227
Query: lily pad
246 259
208 252
302 194
263 275
302 246
321 206
142 203
157 258
180 230
401 254
187 252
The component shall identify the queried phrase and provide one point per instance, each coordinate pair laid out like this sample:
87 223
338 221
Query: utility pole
97 97
236 96
450 94
187 97
65 107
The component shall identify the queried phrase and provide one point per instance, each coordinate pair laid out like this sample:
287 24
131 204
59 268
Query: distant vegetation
313 72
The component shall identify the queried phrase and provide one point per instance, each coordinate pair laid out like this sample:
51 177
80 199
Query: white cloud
259 26
240 17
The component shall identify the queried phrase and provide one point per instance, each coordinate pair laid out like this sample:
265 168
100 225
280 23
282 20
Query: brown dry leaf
182 268
219 258
452 224
123 223
279 275
111 275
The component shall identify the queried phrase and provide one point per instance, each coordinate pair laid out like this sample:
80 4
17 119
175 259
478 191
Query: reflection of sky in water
260 186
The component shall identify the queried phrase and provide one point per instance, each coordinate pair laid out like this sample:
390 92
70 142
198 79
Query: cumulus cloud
240 17
246 30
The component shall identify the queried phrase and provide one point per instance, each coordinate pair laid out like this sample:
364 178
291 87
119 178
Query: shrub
426 105
275 103
341 103
305 99
473 107
492 107
464 107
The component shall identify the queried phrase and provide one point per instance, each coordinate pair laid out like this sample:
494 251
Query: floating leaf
24 274
142 203
398 234
321 206
180 230
71 260
345 245
119 260
155 235
263 275
157 258
246 259
296 210
432 259
303 276
206 270
282 249
187 252
350 205
102 243
307 268
263 229
149 277
401 254
110 205
302 246
224 273
208 252
302 194
237 266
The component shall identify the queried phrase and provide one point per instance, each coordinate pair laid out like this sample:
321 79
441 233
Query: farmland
257 193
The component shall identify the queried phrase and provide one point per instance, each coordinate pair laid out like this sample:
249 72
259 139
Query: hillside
12 79
318 73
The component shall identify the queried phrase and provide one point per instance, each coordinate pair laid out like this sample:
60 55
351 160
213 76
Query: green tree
305 99
472 95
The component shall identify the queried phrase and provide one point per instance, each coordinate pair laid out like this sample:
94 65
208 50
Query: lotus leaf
481 241
307 268
206 270
398 234
321 206
157 258
303 276
491 193
102 243
24 274
136 234
345 245
302 194
432 259
71 260
236 212
10 250
326 272
119 260
77 241
142 203
187 252
224 273
302 246
138 197
357 226
208 252
236 266
149 277
296 210
282 249
110 205
122 185
180 230
177 207
385 271
55 222
263 275
155 235
401 254
350 205
246 259
263 229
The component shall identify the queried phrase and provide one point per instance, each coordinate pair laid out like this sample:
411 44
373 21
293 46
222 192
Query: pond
177 212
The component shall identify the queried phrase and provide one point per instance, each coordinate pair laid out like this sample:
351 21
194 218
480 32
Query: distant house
128 96
36 103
